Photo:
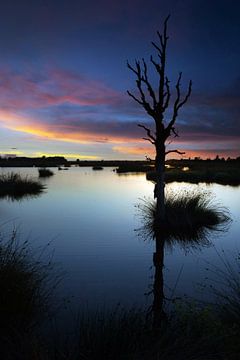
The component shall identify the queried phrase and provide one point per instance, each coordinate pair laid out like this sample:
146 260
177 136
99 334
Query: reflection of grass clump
15 186
45 172
189 216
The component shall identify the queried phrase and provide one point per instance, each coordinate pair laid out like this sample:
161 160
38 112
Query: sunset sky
63 76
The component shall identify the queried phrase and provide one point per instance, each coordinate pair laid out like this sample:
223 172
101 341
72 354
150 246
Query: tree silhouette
156 102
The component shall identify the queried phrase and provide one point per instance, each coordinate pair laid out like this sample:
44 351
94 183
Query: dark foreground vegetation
191 331
43 172
15 187
26 283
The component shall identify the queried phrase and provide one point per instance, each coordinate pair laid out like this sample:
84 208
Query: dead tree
156 102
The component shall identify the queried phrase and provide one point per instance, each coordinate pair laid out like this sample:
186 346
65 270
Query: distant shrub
45 172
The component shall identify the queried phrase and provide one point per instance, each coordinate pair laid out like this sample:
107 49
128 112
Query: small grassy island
190 216
221 171
14 186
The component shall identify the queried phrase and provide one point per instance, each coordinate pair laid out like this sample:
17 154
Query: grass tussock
15 187
190 216
44 172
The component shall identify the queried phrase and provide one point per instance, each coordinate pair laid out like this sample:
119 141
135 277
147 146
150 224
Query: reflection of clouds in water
91 217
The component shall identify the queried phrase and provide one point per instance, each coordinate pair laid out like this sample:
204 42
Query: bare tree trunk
159 191
155 102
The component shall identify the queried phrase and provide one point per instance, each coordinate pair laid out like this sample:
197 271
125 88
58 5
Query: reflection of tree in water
189 222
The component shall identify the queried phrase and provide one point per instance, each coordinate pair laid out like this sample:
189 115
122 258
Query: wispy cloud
31 90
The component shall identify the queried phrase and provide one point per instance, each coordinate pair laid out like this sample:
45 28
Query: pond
90 220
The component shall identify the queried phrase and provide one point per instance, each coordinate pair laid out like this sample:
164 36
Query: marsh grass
27 282
190 334
190 216
43 172
112 335
24 282
224 282
16 187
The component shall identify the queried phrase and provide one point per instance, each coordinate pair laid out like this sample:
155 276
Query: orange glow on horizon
120 144
23 124
68 156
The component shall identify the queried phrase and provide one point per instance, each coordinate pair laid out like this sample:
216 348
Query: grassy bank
221 172
14 186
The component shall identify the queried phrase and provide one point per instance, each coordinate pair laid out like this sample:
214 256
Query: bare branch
142 78
175 151
135 98
149 134
165 27
147 139
178 104
132 68
174 132
157 47
157 66
149 87
187 95
167 94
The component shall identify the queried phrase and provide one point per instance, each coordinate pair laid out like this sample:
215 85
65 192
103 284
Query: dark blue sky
63 75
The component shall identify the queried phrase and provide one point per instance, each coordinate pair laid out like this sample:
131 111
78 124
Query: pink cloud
54 87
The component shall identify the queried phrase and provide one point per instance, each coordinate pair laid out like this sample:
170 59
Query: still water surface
90 219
